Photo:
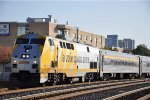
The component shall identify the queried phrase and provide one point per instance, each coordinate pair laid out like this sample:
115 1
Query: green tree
141 50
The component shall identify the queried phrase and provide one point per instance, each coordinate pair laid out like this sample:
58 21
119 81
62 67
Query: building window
96 40
21 30
100 40
59 32
80 37
91 39
66 32
74 35
85 38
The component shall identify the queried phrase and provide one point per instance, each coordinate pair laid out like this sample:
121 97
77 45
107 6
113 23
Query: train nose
24 75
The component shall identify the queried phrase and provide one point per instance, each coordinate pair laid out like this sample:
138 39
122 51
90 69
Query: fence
5 71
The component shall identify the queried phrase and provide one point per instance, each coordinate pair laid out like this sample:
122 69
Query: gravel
47 90
106 94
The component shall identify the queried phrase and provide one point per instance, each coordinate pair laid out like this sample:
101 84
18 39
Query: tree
5 54
141 50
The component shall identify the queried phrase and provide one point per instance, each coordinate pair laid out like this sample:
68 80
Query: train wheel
70 81
106 78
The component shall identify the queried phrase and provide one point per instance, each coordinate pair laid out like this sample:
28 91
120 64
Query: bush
5 54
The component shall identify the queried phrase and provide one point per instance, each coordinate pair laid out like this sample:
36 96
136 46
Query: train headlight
23 56
34 61
27 56
27 50
15 61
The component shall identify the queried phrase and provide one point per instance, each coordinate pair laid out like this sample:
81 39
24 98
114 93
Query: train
42 59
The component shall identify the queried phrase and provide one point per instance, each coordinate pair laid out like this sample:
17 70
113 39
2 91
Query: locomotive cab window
22 41
37 41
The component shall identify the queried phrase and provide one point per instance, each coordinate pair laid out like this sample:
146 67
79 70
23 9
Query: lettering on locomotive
75 59
24 62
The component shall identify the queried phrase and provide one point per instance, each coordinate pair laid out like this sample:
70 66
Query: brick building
48 27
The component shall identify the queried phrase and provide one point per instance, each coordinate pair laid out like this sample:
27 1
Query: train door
53 60
100 64
140 66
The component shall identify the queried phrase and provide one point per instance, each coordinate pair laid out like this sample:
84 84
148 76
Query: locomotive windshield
37 41
22 41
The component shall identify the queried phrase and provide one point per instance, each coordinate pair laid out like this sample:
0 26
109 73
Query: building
111 41
121 43
126 44
129 44
49 27
49 19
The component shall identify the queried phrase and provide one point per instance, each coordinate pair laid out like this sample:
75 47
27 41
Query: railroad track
140 94
70 91
3 89
27 91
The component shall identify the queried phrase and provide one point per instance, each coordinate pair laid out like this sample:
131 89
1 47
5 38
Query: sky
127 18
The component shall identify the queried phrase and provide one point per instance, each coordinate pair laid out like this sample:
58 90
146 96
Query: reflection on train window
64 44
37 41
147 64
135 64
119 62
111 61
105 62
123 62
116 62
51 42
132 64
126 63
22 41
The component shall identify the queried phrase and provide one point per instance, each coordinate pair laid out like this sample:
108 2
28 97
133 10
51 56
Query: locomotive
43 59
